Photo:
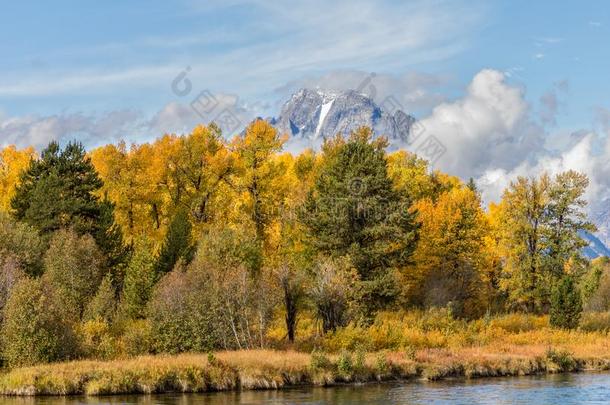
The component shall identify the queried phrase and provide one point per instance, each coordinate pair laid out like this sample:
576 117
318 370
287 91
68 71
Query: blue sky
508 86
100 56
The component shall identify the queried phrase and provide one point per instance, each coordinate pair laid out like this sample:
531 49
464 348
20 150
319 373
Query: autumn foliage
198 242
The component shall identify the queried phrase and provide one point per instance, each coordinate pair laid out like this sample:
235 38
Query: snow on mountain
313 114
323 113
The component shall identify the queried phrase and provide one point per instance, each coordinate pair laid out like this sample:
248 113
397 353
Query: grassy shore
397 346
265 369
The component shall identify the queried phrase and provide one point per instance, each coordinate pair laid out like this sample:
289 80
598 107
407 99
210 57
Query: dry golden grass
266 369
397 346
146 374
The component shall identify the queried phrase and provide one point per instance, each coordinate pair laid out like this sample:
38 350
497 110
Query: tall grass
149 374
429 345
265 369
435 329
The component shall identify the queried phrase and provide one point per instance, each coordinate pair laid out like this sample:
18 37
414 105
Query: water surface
590 388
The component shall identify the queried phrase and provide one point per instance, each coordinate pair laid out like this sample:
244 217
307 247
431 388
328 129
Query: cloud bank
490 126
493 135
128 125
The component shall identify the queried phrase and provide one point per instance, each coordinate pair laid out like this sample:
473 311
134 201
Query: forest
198 243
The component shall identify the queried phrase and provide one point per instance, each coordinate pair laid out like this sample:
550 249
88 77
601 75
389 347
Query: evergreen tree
140 279
58 191
354 211
109 238
178 244
566 304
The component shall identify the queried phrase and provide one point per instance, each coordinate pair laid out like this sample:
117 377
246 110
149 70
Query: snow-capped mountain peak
313 114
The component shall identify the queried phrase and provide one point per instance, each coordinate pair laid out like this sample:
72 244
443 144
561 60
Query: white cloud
225 110
490 127
129 125
586 156
38 131
416 91
491 134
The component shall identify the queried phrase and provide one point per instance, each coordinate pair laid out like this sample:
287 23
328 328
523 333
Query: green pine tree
178 244
566 304
139 281
109 238
353 211
58 191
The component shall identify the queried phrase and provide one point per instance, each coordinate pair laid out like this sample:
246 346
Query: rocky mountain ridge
315 114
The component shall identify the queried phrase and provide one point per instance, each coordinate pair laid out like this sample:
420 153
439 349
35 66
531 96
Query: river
591 388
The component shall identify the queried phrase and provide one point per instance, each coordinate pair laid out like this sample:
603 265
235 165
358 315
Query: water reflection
590 388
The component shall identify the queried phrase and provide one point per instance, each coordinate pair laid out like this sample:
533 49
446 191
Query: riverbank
266 369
